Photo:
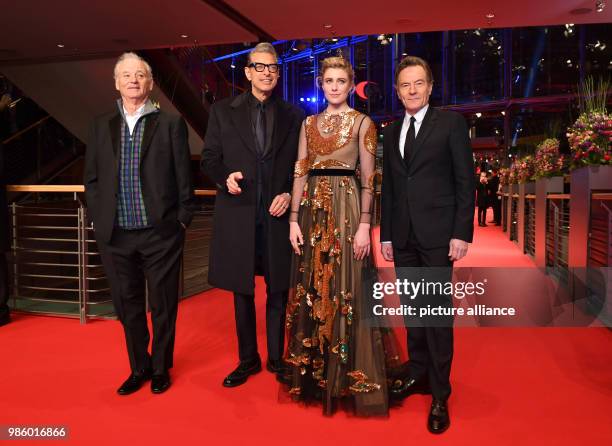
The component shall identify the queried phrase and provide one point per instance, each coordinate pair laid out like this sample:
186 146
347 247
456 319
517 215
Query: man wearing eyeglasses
249 152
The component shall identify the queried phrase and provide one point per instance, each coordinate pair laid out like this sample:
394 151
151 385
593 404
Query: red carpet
511 386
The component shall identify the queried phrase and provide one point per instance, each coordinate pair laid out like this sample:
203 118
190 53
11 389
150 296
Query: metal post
285 82
14 250
445 65
315 65
352 61
82 310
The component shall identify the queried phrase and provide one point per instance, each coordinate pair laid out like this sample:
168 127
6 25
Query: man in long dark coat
249 152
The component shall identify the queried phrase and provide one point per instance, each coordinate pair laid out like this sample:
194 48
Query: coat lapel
397 130
242 120
114 127
426 127
282 122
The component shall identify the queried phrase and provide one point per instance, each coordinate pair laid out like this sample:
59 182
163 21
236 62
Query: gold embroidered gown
335 356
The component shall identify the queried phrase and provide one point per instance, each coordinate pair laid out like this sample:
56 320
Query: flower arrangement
525 169
547 161
589 137
504 176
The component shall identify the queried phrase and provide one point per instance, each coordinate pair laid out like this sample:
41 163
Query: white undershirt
131 120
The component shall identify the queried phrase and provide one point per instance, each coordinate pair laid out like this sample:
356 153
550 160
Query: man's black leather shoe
134 382
438 420
280 369
160 383
242 372
409 386
276 366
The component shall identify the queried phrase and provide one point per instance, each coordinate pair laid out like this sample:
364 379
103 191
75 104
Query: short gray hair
263 47
131 55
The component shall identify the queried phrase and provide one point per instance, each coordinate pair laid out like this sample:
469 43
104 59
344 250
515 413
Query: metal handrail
27 129
72 188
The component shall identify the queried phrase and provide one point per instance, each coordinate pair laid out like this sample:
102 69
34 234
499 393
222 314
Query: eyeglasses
259 67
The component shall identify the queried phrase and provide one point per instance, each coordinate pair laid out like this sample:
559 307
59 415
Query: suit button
409 178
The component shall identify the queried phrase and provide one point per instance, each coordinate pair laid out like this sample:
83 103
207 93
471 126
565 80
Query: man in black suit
140 200
427 217
494 199
4 244
249 152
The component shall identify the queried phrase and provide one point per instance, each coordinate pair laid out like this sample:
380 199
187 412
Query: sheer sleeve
300 174
368 138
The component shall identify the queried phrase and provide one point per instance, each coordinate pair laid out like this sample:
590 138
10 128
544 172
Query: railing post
14 250
80 261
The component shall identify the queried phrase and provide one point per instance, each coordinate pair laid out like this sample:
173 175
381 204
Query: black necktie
410 138
260 127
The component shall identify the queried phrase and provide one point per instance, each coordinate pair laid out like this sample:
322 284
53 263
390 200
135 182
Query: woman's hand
295 237
361 242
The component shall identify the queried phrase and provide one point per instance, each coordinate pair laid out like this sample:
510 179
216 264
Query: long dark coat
230 147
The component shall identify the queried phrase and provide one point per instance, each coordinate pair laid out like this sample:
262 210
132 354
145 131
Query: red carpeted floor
510 386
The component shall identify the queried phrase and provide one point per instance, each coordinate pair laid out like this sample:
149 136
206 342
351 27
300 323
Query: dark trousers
244 308
496 210
4 288
482 215
129 259
430 348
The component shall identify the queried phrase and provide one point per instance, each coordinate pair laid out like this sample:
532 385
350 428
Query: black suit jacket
165 173
434 194
229 147
4 218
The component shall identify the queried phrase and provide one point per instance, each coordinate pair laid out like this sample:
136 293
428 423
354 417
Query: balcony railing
55 264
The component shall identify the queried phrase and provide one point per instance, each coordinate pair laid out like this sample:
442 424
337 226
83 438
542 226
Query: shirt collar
253 101
139 111
147 108
419 116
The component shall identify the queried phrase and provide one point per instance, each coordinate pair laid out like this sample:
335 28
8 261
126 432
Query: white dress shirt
419 116
131 120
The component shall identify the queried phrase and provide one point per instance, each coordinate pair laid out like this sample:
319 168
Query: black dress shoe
160 383
438 420
276 366
242 372
409 386
134 382
280 369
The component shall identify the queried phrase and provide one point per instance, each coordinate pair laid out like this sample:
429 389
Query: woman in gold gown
335 353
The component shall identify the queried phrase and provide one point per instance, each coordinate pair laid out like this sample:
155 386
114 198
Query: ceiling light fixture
600 5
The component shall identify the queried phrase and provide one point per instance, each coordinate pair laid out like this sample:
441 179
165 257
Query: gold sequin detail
330 164
361 384
324 146
371 139
301 167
